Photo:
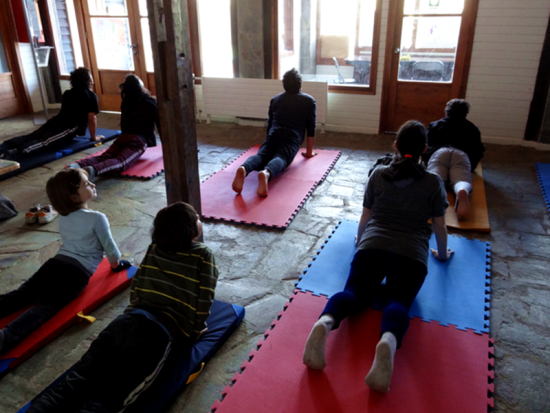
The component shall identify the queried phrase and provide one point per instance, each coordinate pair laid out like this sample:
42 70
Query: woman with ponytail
139 115
392 243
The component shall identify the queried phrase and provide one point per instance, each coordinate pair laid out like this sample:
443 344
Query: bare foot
462 205
314 353
238 181
379 376
263 179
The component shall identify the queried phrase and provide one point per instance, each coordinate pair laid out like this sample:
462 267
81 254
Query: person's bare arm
442 253
365 218
309 147
92 125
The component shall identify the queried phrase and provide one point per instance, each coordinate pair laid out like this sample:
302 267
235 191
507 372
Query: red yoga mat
148 166
287 191
437 369
103 285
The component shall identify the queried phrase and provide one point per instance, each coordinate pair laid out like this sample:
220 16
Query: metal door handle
397 50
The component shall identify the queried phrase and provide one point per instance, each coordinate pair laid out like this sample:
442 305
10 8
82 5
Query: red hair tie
408 156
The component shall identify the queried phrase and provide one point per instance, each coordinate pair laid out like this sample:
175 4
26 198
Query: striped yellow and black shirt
178 287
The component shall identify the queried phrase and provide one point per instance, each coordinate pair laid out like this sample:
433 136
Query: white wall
505 58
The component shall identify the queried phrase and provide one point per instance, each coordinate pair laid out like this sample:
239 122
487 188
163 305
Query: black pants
121 362
404 278
276 153
50 289
50 135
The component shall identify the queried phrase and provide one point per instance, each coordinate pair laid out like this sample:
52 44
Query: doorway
428 54
13 97
117 32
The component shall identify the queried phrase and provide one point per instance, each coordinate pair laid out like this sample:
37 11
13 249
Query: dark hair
175 227
457 108
132 88
80 78
410 142
62 186
292 81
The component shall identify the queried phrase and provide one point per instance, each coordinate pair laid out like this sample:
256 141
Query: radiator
249 98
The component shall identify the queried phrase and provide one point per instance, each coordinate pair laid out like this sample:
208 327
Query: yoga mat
437 369
287 191
148 166
78 144
455 291
8 166
543 174
103 285
478 218
223 320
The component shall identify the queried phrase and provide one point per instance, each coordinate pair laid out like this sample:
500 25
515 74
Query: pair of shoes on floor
41 214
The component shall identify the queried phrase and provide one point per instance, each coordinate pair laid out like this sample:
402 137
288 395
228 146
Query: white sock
379 376
314 353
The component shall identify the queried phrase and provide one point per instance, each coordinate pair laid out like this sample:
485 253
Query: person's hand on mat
440 257
309 155
202 333
122 265
97 138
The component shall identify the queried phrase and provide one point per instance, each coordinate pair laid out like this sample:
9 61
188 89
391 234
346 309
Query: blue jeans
404 278
276 153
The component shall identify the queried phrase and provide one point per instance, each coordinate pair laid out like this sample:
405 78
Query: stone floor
258 267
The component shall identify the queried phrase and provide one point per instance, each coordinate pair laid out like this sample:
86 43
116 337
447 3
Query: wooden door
427 59
13 97
116 46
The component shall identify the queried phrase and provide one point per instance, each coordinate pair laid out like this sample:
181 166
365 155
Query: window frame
350 89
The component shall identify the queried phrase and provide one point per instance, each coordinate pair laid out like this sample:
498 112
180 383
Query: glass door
430 53
114 50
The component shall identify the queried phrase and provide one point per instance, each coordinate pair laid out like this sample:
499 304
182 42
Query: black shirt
76 105
294 111
139 117
457 133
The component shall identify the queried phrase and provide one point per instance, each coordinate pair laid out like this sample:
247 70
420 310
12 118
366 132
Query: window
4 67
214 20
337 42
429 39
66 38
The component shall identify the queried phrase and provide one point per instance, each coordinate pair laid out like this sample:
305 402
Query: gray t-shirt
400 214
85 235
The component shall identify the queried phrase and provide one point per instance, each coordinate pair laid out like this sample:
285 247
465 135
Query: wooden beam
169 26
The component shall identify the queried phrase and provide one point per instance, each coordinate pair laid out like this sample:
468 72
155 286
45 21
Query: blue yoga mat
223 320
78 144
455 292
543 172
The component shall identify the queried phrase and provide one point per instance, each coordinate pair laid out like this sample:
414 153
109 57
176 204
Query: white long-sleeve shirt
85 235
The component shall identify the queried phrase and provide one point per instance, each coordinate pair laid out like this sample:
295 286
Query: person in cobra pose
393 243
291 114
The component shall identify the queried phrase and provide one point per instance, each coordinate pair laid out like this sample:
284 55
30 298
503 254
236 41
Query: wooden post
169 26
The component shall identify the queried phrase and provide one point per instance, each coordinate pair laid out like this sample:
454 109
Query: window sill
354 90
